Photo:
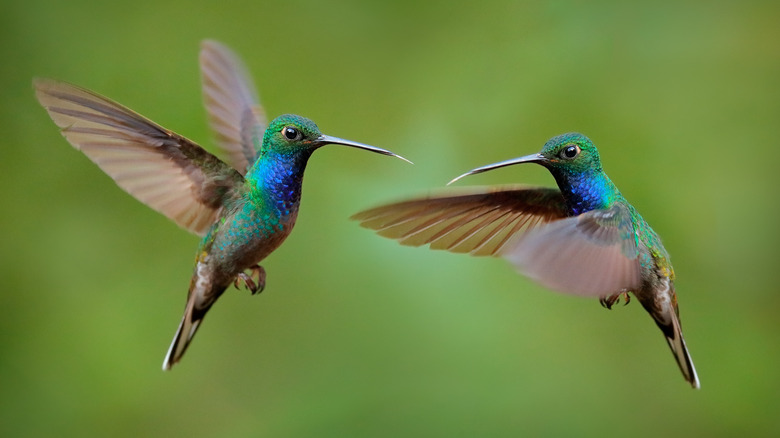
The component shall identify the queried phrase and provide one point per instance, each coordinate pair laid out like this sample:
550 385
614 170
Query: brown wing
480 222
158 167
593 254
232 104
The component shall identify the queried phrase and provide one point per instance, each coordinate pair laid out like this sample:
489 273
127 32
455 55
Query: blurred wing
233 107
593 254
158 167
480 223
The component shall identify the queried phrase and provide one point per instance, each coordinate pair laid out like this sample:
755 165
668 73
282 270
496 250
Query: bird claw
609 301
249 282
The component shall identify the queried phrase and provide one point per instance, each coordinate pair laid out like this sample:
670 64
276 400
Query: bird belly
245 240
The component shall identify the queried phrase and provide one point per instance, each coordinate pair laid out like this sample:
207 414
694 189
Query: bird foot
249 281
611 300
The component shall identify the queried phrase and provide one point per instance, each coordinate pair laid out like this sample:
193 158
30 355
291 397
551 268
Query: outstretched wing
158 167
480 222
232 104
593 254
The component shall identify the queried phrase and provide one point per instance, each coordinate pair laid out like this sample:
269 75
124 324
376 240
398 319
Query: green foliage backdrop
356 335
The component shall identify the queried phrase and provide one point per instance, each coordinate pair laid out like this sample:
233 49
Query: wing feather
162 169
593 254
480 222
232 103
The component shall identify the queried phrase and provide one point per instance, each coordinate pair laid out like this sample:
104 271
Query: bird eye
569 152
291 133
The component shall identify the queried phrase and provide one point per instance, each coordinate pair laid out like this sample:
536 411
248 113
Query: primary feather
160 168
480 222
232 104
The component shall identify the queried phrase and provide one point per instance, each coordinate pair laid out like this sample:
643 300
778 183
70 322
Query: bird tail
184 334
680 351
665 314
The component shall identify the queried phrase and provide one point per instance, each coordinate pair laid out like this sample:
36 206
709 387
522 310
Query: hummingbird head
295 134
572 152
292 133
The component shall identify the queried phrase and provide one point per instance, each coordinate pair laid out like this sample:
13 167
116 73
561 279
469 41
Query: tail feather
680 351
661 304
184 334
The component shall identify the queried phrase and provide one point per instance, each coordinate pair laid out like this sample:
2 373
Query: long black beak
327 139
533 158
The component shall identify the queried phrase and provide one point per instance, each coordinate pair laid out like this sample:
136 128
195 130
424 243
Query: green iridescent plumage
583 239
244 209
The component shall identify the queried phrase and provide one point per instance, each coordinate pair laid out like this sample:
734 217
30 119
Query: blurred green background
356 335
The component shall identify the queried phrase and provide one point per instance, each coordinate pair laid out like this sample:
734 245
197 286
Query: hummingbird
583 238
244 207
